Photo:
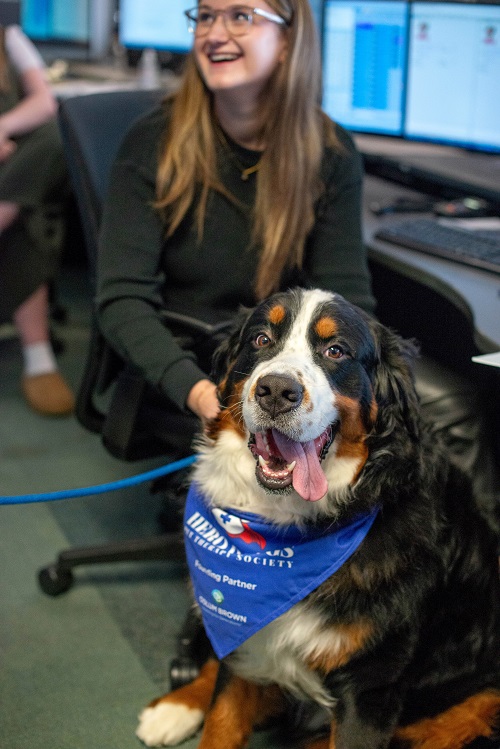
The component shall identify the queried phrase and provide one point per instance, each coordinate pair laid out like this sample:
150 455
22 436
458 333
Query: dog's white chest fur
279 652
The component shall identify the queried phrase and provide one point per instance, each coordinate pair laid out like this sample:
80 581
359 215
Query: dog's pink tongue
308 478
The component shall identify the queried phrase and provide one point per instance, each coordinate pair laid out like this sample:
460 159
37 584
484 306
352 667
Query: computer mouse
468 207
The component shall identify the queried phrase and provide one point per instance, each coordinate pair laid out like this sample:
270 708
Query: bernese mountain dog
338 559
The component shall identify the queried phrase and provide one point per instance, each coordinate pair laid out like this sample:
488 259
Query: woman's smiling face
243 63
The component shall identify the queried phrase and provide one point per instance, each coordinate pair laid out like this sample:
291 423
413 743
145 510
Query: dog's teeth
262 462
291 465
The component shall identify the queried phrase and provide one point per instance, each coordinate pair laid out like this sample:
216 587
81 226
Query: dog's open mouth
282 463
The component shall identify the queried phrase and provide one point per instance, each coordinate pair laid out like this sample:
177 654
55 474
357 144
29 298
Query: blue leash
100 488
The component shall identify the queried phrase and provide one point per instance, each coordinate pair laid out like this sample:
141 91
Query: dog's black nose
277 394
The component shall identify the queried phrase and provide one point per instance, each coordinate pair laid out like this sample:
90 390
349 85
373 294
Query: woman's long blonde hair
294 132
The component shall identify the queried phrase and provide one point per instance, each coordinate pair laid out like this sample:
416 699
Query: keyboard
478 249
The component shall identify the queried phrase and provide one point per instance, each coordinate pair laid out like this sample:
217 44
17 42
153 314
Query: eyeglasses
238 19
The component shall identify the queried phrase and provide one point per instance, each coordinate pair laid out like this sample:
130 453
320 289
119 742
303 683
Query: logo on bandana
247 572
217 596
237 528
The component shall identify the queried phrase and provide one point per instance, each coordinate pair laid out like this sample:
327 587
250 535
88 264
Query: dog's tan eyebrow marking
326 327
277 314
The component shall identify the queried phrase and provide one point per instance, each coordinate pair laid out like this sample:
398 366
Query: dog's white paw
168 723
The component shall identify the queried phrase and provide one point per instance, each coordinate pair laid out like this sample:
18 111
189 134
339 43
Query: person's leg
31 319
43 386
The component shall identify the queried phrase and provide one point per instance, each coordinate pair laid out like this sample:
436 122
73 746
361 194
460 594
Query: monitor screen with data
421 70
155 24
453 87
364 63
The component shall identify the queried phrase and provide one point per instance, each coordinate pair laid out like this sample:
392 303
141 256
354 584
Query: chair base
57 578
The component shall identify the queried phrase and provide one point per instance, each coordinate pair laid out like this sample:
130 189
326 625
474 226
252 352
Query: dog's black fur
427 574
423 589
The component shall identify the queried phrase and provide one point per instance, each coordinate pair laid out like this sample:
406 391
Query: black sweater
139 272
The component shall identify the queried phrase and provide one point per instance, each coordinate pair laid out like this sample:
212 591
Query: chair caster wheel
54 580
182 671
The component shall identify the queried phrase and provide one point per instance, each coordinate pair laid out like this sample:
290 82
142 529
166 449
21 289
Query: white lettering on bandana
247 572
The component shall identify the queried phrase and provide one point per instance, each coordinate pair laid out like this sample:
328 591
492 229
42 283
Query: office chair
134 420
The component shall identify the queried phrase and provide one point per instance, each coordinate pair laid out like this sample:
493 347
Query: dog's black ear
393 381
227 350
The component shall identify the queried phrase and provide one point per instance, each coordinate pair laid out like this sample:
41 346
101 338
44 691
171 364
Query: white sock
39 359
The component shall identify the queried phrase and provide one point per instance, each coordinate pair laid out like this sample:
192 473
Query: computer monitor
453 91
56 20
364 64
155 24
422 70
80 29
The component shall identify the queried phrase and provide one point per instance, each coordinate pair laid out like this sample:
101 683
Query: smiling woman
254 188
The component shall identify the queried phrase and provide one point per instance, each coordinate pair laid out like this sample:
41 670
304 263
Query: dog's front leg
237 706
178 715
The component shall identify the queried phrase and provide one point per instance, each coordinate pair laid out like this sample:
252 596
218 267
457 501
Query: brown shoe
48 394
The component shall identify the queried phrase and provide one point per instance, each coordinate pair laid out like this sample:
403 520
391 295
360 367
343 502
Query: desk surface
474 292
87 78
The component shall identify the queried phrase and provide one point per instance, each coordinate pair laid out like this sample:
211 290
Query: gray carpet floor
76 669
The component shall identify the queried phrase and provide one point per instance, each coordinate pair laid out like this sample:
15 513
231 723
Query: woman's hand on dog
202 400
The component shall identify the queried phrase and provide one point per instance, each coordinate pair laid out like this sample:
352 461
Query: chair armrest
103 365
194 325
197 335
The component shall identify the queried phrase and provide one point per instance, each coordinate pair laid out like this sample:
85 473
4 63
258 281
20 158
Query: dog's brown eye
262 340
334 352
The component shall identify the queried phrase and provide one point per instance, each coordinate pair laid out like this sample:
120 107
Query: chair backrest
92 128
136 422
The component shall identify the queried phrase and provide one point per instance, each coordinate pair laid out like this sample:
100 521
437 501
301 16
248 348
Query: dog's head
305 381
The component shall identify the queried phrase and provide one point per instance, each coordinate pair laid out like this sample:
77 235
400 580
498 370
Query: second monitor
155 24
421 70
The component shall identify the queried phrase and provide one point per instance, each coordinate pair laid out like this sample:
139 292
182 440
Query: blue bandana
246 572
